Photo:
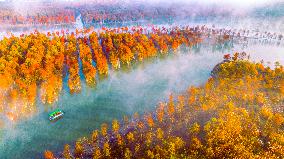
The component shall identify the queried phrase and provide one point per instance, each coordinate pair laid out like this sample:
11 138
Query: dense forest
36 64
237 113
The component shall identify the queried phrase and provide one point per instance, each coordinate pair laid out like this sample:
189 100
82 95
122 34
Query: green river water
122 93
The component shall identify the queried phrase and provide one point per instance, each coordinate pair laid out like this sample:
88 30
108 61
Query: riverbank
237 114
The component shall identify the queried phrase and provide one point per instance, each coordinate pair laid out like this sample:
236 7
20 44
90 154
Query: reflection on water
123 93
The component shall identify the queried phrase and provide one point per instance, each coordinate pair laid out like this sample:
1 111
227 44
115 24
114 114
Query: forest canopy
236 114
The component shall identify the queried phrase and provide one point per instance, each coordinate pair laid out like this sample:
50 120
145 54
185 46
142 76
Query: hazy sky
242 3
246 2
232 2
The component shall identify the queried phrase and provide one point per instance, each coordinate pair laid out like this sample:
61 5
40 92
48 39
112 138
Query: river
122 93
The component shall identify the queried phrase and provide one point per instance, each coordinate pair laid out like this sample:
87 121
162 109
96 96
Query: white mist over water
121 94
269 54
126 92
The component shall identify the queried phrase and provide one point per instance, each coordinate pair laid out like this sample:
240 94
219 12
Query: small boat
56 115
